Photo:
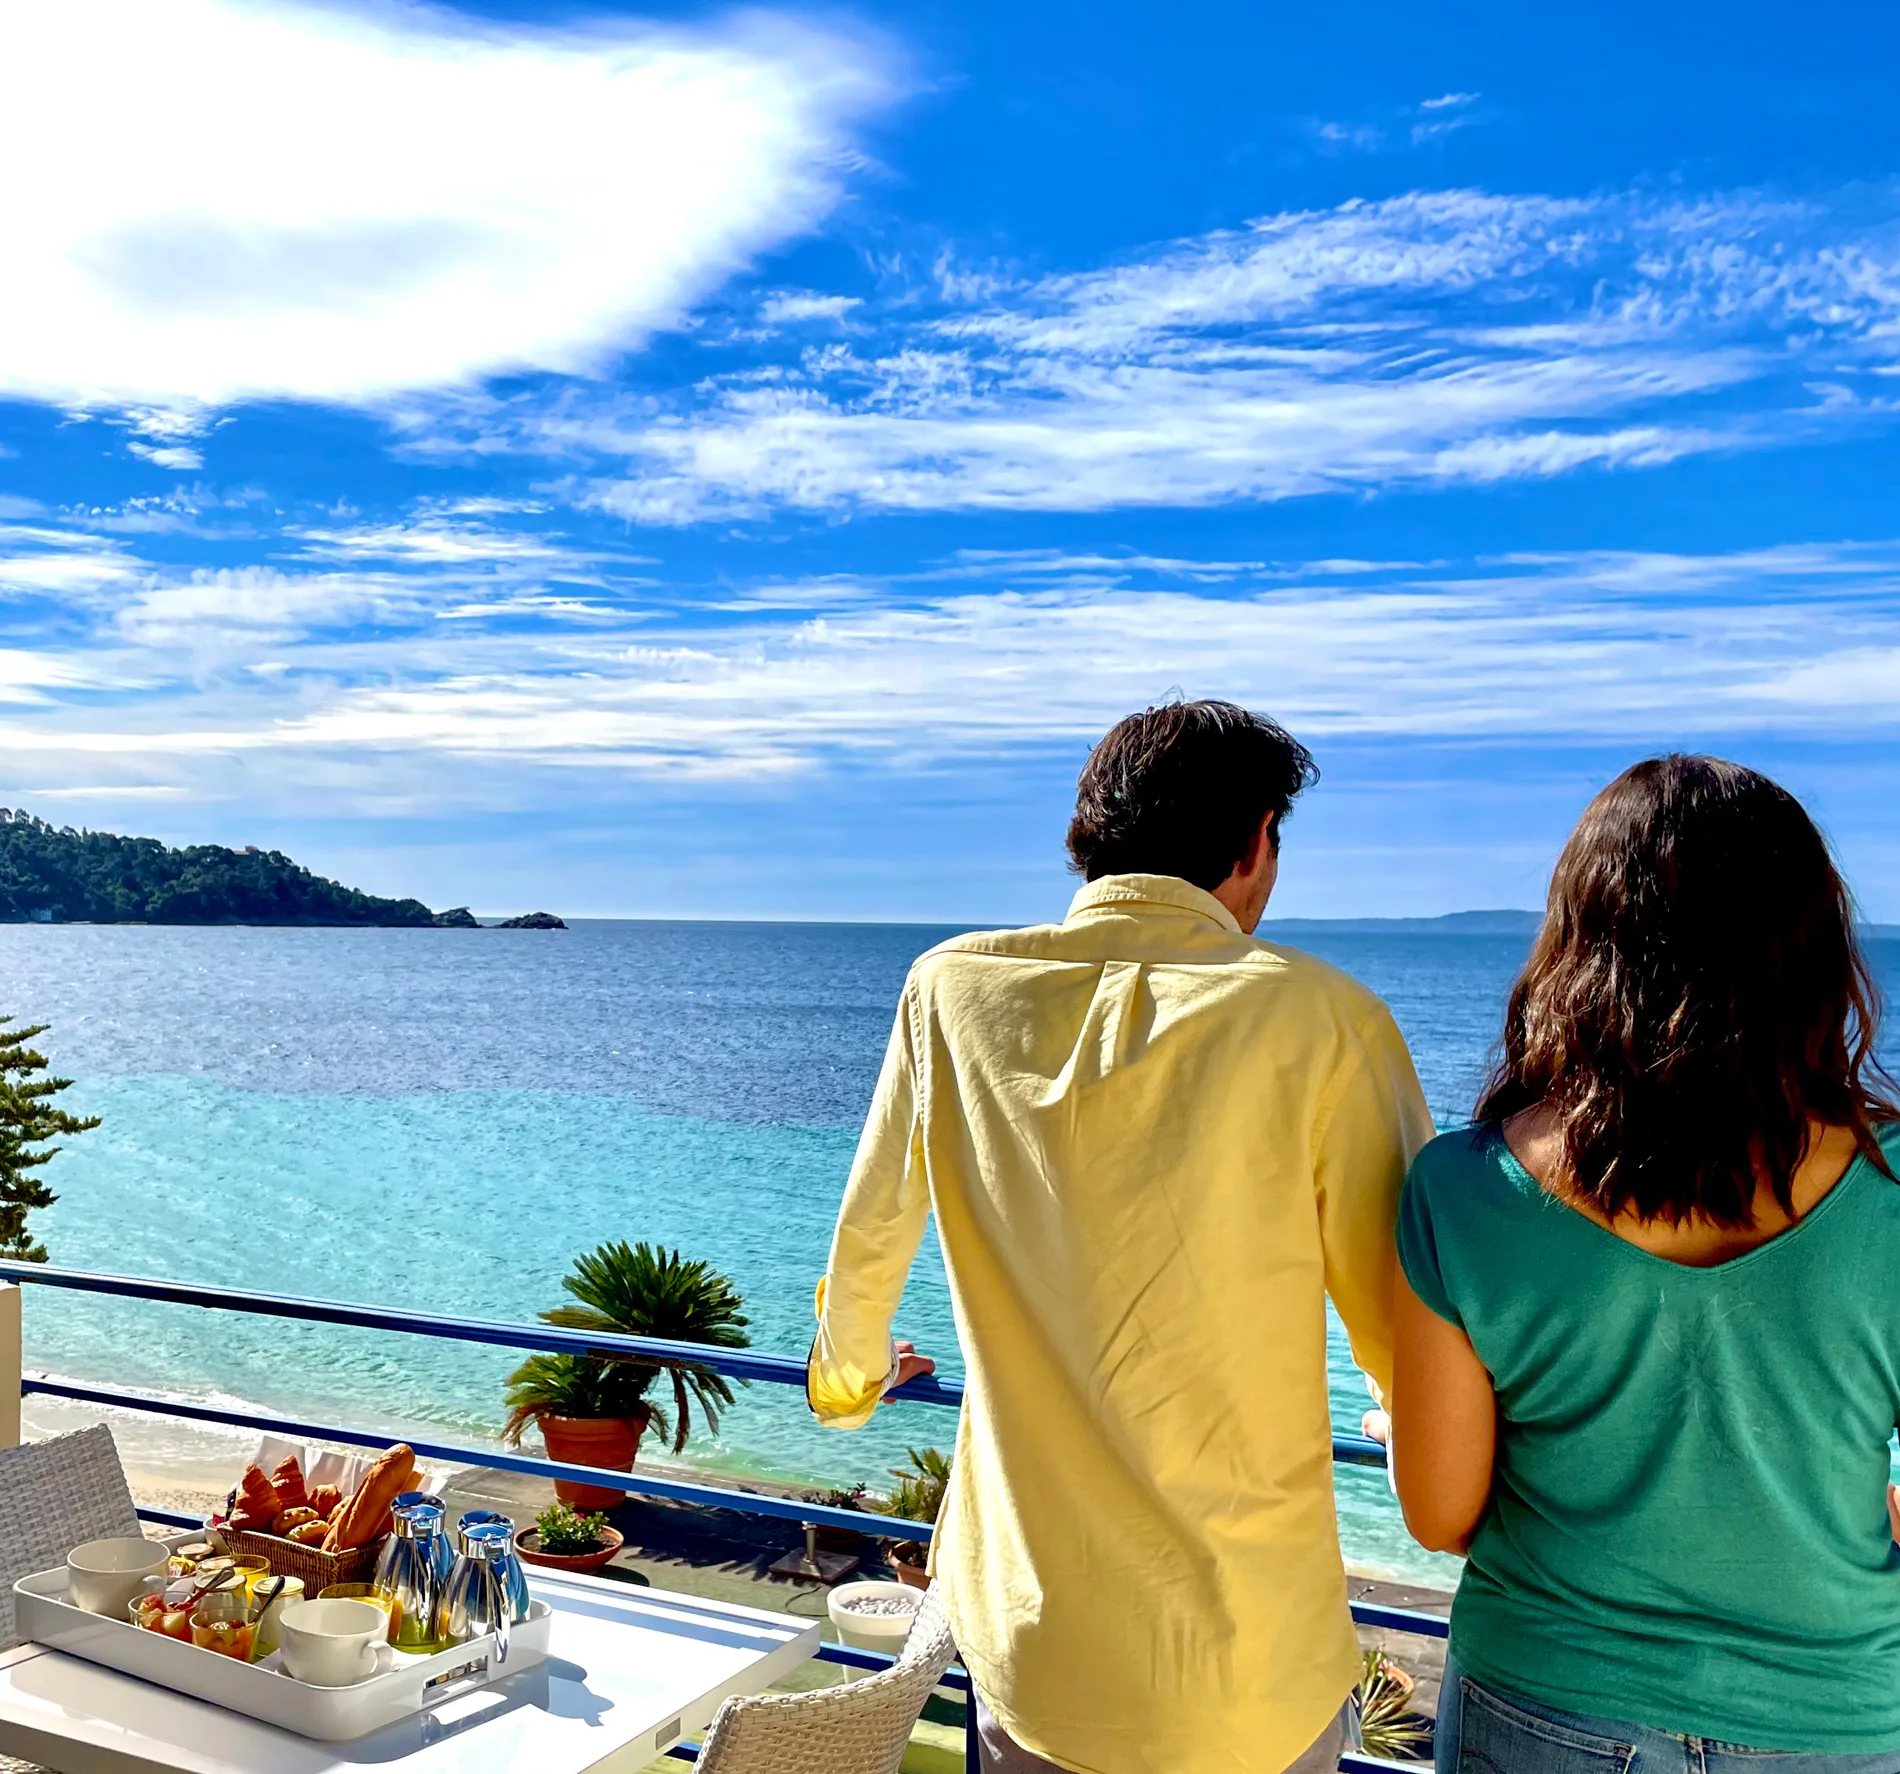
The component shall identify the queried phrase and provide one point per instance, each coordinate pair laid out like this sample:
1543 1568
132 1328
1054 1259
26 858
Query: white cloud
798 305
180 456
1441 337
1629 648
61 562
279 199
438 540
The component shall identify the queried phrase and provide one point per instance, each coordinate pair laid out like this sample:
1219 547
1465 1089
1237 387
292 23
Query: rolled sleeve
880 1225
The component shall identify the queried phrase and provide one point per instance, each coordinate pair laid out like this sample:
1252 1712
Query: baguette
367 1515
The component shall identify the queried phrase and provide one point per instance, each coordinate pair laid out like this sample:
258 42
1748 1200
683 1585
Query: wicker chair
860 1728
54 1495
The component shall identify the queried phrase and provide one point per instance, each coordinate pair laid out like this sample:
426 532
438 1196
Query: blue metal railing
739 1364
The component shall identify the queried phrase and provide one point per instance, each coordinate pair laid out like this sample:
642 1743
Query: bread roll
293 1518
324 1499
312 1533
367 1515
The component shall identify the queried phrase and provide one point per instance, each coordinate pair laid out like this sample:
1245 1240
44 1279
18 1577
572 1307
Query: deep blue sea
444 1119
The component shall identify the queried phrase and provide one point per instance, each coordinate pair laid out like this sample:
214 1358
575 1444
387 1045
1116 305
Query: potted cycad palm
593 1409
918 1497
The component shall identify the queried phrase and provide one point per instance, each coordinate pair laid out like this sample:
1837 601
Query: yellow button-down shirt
1153 1146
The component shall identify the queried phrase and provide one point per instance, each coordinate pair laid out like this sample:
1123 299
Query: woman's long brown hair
1695 999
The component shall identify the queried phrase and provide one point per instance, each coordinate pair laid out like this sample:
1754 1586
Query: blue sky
686 461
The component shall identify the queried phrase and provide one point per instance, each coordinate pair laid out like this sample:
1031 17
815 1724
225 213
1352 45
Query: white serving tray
261 1691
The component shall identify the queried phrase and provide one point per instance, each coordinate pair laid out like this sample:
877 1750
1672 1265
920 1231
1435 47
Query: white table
630 1671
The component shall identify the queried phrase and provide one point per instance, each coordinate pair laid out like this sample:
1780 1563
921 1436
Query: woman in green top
1649 1330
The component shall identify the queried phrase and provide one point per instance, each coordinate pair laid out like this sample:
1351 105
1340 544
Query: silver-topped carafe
476 1599
441 1550
514 1574
406 1575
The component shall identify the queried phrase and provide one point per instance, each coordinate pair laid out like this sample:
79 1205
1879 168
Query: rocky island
56 875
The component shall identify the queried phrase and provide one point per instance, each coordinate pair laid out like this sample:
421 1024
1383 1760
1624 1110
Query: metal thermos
441 1551
514 1574
406 1575
476 1599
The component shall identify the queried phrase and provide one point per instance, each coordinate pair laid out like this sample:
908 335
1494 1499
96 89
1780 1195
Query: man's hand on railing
910 1365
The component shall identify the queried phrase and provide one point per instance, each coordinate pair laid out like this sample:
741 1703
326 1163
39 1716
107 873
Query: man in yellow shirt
1154 1146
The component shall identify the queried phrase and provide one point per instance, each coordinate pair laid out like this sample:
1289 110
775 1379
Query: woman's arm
1444 1427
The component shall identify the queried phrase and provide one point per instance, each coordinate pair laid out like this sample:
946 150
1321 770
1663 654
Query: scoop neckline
1511 1165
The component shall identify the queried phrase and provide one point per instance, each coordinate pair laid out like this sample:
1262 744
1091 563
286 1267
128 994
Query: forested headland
55 875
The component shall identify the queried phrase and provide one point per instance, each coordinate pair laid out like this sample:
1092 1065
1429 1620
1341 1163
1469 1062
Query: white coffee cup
334 1644
102 1576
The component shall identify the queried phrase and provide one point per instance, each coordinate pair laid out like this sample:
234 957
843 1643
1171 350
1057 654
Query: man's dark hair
1181 790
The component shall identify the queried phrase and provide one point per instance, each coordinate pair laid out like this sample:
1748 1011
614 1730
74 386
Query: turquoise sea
443 1119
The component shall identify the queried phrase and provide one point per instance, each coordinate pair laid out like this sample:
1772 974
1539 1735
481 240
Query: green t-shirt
1687 1526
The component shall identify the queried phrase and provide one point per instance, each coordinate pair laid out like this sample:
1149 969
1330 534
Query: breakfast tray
47 1617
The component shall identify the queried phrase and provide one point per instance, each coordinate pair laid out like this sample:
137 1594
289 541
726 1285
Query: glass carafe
476 1599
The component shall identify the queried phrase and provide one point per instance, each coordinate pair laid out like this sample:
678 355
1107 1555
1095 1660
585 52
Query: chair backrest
859 1728
55 1495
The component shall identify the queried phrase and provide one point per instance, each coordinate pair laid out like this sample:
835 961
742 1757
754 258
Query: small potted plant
565 1540
840 1539
1388 1728
593 1409
918 1497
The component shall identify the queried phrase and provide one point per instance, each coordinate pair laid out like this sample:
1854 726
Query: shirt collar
1129 891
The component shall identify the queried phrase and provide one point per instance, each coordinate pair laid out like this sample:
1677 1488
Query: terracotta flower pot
591 1441
911 1576
529 1546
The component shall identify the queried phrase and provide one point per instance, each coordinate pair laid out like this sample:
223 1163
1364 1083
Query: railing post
10 1359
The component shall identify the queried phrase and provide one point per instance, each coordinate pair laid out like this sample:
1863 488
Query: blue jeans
1480 1732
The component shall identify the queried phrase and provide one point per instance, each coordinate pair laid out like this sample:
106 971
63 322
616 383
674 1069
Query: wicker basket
317 1568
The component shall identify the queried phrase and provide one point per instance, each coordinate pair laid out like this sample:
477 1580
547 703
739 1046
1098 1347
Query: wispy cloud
334 204
1438 338
181 678
794 306
1410 126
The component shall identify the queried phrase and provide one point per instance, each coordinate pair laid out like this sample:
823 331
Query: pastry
243 1522
294 1518
367 1515
312 1533
324 1499
257 1496
288 1480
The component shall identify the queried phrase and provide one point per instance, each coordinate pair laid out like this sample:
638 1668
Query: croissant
257 1496
312 1533
324 1500
367 1515
288 1478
